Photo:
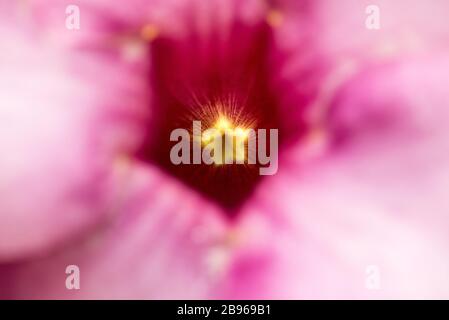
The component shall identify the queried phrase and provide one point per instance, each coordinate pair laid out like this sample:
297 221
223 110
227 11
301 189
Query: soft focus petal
379 198
368 186
157 247
162 235
364 184
60 138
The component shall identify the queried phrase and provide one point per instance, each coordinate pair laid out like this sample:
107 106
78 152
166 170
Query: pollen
222 124
231 139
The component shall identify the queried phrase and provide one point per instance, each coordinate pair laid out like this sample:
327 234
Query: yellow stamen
232 140
222 124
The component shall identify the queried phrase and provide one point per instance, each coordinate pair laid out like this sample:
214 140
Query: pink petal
379 198
157 247
61 139
367 188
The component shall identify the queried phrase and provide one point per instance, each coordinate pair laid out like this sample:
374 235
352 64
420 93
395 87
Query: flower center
222 80
230 139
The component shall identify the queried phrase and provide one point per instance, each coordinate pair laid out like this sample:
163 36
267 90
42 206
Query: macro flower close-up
224 149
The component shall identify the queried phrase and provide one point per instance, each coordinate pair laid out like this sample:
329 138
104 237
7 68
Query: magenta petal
378 198
367 188
155 247
61 140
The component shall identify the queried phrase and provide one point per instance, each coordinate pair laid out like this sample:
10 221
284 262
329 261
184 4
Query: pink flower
85 177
